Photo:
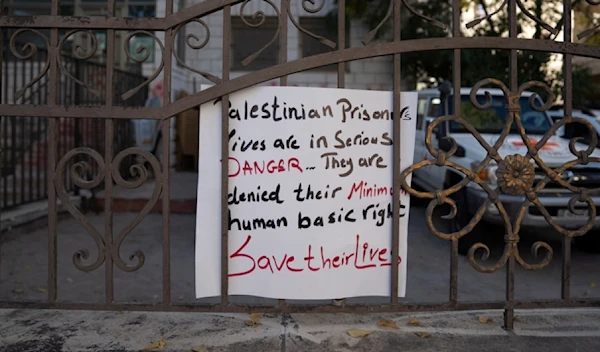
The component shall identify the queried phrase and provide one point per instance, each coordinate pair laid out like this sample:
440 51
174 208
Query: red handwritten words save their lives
364 256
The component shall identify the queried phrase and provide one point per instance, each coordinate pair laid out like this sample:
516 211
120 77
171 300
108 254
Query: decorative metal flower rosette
515 174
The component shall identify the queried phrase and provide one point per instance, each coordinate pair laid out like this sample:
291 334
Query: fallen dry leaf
28 267
593 284
69 280
200 348
155 346
414 322
254 319
18 290
484 320
250 323
387 324
358 333
423 334
42 290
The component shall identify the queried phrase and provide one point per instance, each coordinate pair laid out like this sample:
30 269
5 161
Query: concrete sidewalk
543 330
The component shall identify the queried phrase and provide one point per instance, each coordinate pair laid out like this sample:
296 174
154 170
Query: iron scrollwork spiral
312 10
79 171
140 175
145 53
261 21
515 174
197 45
523 9
81 176
373 33
79 53
27 51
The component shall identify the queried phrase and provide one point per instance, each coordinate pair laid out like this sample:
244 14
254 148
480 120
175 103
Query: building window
142 11
310 46
246 41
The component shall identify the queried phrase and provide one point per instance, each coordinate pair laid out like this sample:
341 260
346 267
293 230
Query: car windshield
492 119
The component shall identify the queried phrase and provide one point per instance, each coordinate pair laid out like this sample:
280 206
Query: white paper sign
310 193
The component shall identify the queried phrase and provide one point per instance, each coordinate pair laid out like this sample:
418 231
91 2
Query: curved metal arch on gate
516 174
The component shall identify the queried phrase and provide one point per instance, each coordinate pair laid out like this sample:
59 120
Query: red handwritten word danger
363 257
260 167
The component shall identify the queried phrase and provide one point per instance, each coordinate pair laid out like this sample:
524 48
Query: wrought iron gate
515 172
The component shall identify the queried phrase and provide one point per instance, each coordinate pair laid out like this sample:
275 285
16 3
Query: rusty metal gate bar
397 154
568 92
225 156
108 159
52 173
108 165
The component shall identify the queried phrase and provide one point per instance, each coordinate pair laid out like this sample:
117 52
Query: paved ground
23 267
50 331
23 276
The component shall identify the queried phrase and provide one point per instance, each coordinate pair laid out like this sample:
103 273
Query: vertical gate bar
224 160
2 121
45 122
74 100
341 76
166 157
283 58
4 99
108 214
509 310
456 84
13 134
4 142
96 142
456 70
283 43
38 161
21 121
568 105
109 130
30 147
3 125
7 124
51 147
397 126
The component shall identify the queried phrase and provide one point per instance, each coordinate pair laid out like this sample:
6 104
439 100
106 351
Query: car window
493 119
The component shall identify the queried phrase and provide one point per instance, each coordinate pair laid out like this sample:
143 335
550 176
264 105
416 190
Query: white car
470 153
